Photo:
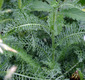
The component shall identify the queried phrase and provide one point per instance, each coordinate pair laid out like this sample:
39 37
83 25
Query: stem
53 36
53 46
19 4
1 3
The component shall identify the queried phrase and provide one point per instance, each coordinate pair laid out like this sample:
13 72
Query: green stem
53 46
53 36
1 3
19 4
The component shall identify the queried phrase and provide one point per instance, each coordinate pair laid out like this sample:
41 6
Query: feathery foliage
50 45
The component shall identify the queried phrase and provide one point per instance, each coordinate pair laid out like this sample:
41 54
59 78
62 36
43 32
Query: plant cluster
49 36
